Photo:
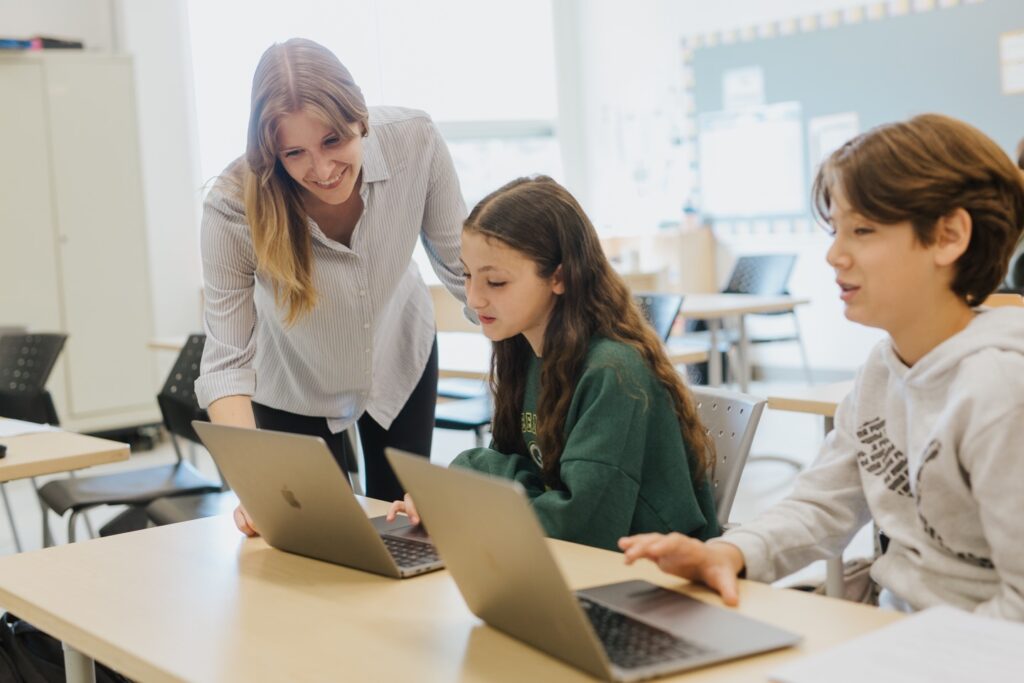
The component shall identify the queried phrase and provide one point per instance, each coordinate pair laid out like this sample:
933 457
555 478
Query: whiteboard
752 162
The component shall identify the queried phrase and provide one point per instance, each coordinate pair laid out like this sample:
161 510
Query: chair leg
177 448
353 475
10 518
88 522
781 459
47 534
803 350
479 431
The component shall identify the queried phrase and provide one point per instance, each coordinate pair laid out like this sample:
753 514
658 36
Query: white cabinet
73 252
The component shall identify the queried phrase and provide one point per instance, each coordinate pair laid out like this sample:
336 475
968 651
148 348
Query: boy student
924 215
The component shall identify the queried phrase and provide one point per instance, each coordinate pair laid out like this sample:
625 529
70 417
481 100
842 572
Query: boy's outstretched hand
405 506
713 564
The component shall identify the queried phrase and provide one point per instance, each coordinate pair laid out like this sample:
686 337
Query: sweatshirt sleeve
996 472
818 519
599 467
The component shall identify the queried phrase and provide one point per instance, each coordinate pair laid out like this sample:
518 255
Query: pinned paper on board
826 134
743 88
752 162
1011 62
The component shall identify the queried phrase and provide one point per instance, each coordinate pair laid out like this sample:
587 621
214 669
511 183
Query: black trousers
412 430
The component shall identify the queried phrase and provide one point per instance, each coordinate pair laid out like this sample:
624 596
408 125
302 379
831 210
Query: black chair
470 414
764 275
138 488
661 311
26 361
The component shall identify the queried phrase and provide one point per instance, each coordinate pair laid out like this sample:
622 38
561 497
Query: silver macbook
300 501
495 549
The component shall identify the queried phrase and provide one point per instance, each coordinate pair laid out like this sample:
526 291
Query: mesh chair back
26 361
661 311
177 399
766 274
731 419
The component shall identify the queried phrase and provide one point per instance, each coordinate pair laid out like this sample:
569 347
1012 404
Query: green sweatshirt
624 468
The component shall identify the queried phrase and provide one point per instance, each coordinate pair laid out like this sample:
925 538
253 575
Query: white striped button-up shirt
367 341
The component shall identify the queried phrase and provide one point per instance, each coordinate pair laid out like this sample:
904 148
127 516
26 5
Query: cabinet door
29 283
28 271
101 235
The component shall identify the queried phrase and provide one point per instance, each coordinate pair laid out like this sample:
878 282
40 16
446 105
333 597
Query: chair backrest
661 311
731 419
177 399
765 274
26 361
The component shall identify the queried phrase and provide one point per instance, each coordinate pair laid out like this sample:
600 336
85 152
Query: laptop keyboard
631 644
409 553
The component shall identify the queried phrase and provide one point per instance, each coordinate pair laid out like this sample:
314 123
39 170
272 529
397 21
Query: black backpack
27 655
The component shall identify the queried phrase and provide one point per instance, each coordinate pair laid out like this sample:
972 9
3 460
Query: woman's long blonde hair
297 75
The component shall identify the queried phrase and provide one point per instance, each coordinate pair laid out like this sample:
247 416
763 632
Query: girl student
589 415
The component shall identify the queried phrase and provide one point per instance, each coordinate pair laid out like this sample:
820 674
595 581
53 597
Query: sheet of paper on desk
10 428
938 645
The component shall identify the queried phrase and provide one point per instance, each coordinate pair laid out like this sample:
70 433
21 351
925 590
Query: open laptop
493 545
300 501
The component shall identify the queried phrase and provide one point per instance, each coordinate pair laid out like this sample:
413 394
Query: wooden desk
33 455
198 602
822 399
468 354
715 307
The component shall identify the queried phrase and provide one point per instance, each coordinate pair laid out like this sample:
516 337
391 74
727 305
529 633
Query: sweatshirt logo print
882 458
931 452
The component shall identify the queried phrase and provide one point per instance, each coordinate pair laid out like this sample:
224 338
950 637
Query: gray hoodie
933 454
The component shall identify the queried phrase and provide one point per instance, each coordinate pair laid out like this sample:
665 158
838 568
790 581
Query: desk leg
10 518
714 358
743 356
834 581
77 667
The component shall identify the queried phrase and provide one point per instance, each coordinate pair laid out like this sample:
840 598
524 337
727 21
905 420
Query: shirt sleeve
996 472
443 214
818 519
229 315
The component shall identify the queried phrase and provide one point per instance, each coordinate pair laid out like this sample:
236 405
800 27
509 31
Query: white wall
85 20
632 101
154 33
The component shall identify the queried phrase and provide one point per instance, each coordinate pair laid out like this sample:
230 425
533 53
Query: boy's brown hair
922 170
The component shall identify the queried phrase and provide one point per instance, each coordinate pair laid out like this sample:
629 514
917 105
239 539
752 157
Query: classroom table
468 354
822 399
714 308
33 455
198 602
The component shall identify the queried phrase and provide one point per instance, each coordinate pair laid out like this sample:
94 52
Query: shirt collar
374 165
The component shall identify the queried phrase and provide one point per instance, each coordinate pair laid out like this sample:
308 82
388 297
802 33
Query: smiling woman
315 315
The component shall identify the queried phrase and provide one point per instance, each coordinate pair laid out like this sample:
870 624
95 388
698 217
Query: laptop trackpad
401 528
674 612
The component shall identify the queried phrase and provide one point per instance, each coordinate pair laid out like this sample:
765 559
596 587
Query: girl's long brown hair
297 75
539 218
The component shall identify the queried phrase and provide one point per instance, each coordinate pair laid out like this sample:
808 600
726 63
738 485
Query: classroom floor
795 435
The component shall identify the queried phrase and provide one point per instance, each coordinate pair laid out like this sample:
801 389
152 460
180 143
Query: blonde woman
315 315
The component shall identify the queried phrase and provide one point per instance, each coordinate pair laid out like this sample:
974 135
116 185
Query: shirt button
367 350
366 326
362 292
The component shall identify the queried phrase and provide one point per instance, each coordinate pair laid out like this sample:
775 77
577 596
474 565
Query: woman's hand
405 506
244 522
714 564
